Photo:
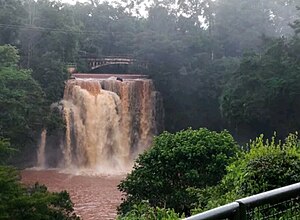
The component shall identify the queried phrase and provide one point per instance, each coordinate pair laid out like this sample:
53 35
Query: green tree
179 57
51 74
268 165
8 56
35 202
283 12
49 40
21 101
262 94
107 29
144 211
296 24
6 150
12 14
176 162
239 25
50 27
265 164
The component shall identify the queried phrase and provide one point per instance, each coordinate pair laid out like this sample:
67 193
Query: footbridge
98 65
95 63
107 76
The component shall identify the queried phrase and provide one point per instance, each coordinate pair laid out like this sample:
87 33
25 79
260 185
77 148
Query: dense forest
219 64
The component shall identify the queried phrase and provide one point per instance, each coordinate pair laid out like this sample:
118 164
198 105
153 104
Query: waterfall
41 159
108 123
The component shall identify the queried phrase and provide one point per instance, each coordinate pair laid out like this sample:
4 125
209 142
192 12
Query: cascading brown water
41 160
107 123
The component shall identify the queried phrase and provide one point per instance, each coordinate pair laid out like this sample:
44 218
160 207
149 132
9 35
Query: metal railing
278 204
71 64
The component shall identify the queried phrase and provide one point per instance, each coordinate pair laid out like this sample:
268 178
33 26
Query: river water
94 197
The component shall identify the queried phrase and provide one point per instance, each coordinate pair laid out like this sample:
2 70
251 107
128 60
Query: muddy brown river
94 197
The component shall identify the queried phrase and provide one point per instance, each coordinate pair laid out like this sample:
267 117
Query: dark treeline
219 64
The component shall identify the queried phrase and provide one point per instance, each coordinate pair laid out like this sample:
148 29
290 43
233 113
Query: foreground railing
278 204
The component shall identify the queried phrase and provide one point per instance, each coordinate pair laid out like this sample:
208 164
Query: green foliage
296 24
263 92
176 162
21 101
267 165
5 150
12 13
241 25
18 202
8 56
143 211
184 53
51 74
194 63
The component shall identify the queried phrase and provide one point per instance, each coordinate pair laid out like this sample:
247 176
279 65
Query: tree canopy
218 64
192 48
264 165
19 202
21 100
175 163
270 101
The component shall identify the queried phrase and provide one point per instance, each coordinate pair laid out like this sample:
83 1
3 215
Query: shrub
267 165
19 202
175 163
143 211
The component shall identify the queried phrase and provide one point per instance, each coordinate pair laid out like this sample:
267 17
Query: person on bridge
120 79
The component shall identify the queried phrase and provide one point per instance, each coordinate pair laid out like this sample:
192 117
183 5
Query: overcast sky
73 1
142 8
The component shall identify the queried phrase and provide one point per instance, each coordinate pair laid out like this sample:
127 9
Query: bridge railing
278 204
71 65
98 62
95 56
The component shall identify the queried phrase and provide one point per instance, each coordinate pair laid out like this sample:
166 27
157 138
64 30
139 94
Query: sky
73 1
142 9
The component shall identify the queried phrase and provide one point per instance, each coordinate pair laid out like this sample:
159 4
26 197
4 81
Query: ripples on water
95 197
